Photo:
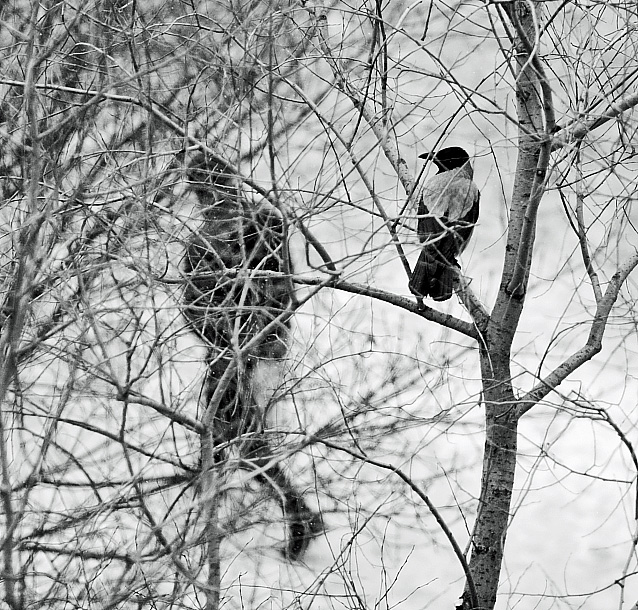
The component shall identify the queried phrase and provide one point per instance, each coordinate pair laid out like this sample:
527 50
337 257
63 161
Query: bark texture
501 413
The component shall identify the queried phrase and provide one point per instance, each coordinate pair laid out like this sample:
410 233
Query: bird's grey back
450 194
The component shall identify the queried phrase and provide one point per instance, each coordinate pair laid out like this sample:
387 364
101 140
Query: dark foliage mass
238 299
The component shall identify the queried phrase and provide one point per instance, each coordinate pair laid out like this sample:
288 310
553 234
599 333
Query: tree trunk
497 480
535 113
210 511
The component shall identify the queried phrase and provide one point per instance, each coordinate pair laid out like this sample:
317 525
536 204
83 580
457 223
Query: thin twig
582 233
423 496
580 128
533 63
591 347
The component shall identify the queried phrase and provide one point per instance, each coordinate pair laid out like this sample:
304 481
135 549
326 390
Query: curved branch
582 232
590 349
577 130
452 322
380 128
425 312
423 496
357 166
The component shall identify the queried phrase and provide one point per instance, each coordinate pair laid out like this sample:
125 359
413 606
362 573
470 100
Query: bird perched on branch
448 208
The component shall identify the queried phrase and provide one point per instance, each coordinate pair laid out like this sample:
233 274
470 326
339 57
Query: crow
448 208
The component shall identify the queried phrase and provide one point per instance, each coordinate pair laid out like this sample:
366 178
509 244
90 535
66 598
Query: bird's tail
433 276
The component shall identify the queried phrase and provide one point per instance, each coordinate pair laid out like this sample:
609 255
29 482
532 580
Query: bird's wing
449 194
448 211
465 226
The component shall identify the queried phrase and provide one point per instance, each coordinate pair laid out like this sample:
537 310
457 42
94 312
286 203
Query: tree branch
590 349
423 496
380 128
582 234
518 280
580 128
466 328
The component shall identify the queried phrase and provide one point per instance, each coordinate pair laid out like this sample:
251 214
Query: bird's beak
428 156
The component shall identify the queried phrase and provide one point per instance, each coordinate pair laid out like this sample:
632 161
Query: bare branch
582 234
539 79
580 128
427 313
590 349
381 129
423 496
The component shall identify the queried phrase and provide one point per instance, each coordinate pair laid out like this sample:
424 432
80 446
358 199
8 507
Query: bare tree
142 450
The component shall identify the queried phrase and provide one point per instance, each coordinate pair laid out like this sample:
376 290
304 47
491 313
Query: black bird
448 209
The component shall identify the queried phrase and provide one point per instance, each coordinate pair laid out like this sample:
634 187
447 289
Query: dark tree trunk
501 414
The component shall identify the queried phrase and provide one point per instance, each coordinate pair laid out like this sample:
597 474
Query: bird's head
447 158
